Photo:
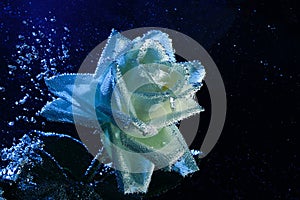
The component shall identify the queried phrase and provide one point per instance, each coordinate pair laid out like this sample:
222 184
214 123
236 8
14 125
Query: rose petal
133 170
60 110
160 37
116 45
167 112
151 51
63 85
164 149
196 72
154 47
186 164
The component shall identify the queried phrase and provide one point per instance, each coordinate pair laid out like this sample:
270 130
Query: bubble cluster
41 52
20 155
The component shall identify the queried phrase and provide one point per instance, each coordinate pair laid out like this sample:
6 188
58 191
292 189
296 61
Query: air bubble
11 123
22 101
21 37
66 29
52 62
2 89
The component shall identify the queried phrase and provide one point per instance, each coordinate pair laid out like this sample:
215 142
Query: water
39 53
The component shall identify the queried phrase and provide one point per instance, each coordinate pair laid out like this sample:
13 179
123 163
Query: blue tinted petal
63 85
116 45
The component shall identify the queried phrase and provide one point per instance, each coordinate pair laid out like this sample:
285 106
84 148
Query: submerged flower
137 94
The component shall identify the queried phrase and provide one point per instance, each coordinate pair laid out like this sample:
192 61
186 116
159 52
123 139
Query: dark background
255 45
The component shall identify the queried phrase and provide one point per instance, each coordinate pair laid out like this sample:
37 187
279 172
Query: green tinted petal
163 149
133 170
164 110
167 114
133 125
135 158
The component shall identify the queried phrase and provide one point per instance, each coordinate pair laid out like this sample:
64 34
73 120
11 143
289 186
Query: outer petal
63 85
186 164
196 72
116 45
77 93
133 170
165 114
62 111
135 158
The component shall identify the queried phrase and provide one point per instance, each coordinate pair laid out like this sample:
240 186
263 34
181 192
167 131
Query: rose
136 95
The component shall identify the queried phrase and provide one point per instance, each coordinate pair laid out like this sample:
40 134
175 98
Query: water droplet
21 37
12 67
11 123
66 29
2 89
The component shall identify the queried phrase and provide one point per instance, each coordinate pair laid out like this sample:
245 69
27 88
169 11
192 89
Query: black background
255 45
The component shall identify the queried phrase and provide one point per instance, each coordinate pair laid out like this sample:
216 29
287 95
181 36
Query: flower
137 94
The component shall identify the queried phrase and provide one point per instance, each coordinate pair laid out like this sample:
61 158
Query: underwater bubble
66 29
2 89
11 123
41 34
21 37
4 154
23 100
35 57
43 62
52 61
12 67
23 67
